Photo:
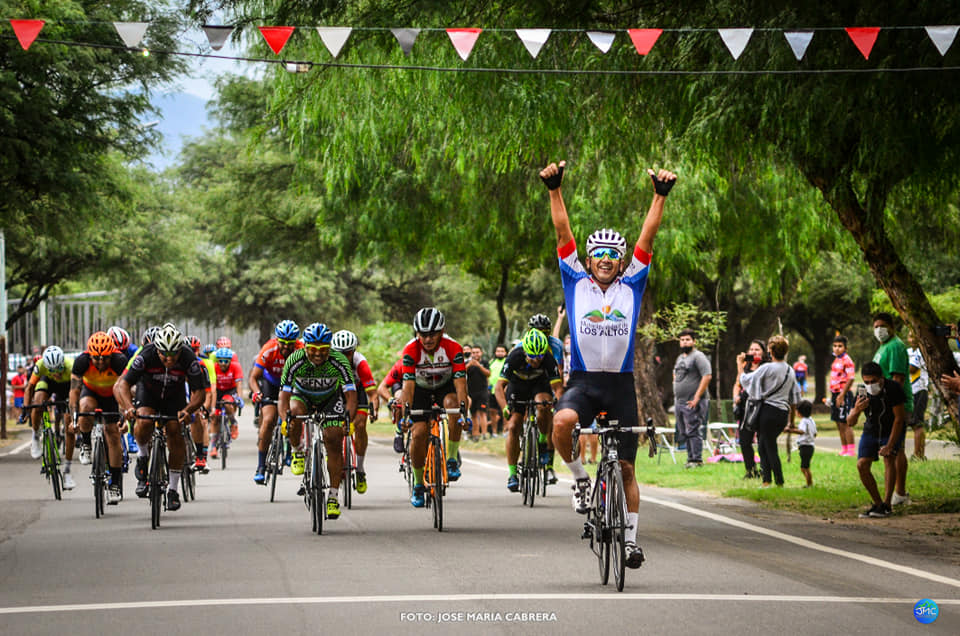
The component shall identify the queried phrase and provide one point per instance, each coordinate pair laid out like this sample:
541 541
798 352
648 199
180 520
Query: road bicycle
400 423
435 468
606 523
275 453
224 437
157 471
188 477
531 471
99 467
315 481
50 459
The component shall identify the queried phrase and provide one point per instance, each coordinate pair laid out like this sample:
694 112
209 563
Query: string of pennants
464 39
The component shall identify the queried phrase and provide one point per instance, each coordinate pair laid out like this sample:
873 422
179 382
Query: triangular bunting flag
736 40
276 37
864 38
217 35
26 31
798 41
334 38
601 39
533 39
644 39
942 37
463 40
131 32
405 38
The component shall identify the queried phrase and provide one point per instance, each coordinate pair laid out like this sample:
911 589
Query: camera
942 331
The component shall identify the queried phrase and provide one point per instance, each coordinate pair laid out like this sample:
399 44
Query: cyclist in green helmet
529 373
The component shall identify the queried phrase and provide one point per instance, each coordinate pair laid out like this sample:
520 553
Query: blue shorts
18 402
870 445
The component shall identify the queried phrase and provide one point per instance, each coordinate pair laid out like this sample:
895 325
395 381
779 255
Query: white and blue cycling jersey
602 323
556 348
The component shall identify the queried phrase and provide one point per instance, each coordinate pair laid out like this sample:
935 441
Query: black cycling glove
553 182
662 187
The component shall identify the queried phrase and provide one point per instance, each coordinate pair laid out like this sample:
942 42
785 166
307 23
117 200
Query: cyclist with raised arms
603 306
433 373
316 378
161 372
530 373
51 376
94 373
264 382
367 399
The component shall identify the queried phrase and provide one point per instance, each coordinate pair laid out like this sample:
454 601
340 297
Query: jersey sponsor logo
318 385
604 314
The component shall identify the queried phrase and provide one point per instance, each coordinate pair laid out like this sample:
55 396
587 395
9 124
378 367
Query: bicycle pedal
587 532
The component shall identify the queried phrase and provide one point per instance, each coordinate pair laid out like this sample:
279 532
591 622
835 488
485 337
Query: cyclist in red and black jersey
433 373
94 373
161 372
264 381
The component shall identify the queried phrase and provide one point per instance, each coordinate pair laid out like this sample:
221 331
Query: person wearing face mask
883 434
893 359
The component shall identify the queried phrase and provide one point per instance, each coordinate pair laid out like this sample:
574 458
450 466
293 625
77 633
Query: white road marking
17 449
782 536
452 598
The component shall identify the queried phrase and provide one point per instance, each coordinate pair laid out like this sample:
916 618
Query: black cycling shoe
141 469
398 443
634 555
142 489
173 500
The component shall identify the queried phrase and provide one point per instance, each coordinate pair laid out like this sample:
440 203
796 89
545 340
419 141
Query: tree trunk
822 344
501 296
903 289
649 402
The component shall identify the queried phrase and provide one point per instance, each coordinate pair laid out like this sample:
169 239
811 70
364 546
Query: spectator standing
919 384
777 386
478 377
893 359
800 372
691 377
842 374
806 431
496 366
18 383
883 432
756 355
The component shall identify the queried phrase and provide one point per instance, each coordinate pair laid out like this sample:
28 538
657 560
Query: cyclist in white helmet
603 305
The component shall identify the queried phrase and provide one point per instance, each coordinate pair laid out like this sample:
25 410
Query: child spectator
806 430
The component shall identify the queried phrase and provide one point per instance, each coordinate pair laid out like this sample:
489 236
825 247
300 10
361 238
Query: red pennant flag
463 40
864 38
277 37
27 31
644 39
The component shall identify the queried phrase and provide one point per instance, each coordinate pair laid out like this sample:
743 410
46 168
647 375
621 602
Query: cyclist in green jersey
316 378
51 376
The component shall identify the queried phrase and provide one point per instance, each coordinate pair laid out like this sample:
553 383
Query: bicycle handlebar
436 410
157 418
99 413
43 405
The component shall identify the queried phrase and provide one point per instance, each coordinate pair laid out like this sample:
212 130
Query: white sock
576 467
631 533
174 480
66 466
359 463
141 450
333 494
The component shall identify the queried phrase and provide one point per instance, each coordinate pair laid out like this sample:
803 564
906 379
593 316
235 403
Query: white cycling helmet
428 319
607 238
168 339
344 340
53 359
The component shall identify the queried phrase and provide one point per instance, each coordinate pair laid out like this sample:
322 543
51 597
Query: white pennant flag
601 39
798 41
334 38
736 40
131 32
942 37
533 39
217 35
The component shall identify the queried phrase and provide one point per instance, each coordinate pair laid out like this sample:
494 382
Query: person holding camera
893 359
755 356
776 384
882 401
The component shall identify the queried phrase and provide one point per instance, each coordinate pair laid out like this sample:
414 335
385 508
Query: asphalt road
233 563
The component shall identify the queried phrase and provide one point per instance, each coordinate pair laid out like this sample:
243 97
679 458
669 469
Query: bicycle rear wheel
437 485
346 483
98 476
50 459
188 480
615 509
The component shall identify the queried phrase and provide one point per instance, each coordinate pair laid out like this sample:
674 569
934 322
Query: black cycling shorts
60 389
163 406
590 393
335 407
268 390
107 404
526 392
423 399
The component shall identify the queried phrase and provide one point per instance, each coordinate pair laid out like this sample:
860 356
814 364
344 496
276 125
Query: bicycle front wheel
98 475
188 480
616 505
155 475
346 483
598 513
317 488
274 460
437 485
51 460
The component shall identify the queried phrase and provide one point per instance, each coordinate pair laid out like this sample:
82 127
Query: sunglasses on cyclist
609 252
318 347
283 341
535 358
428 334
167 354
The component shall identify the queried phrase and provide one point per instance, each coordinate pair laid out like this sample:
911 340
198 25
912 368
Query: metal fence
68 320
